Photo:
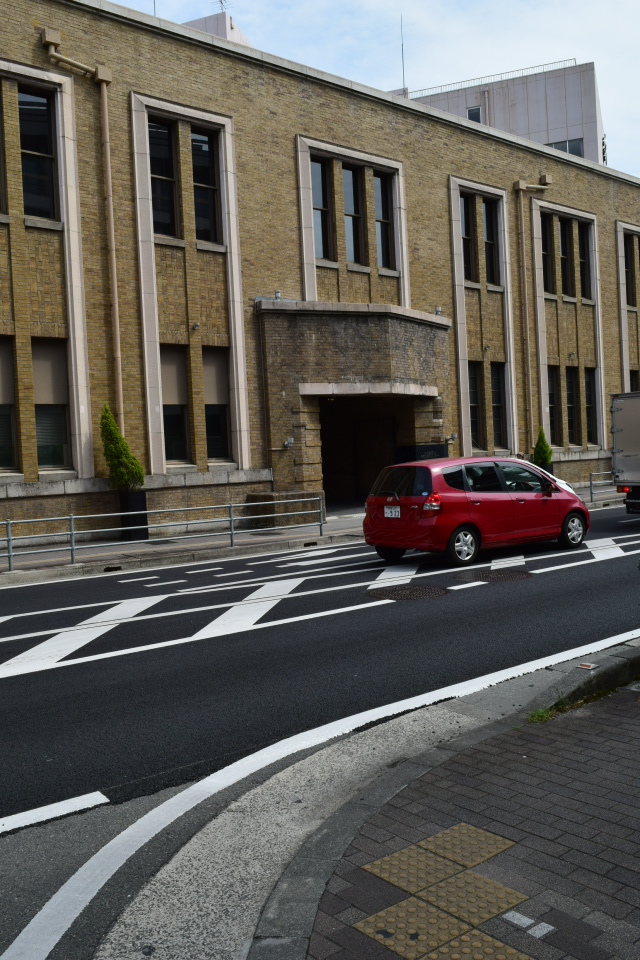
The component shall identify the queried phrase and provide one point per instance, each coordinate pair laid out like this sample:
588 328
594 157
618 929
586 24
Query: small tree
125 471
542 452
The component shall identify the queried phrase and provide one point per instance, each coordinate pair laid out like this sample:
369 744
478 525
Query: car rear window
403 482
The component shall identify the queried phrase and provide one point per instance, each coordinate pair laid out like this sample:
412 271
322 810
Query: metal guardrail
511 75
234 521
599 483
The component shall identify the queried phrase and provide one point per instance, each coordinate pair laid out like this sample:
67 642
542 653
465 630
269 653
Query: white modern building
556 104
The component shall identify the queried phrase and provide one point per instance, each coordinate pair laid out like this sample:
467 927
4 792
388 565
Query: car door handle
476 503
518 500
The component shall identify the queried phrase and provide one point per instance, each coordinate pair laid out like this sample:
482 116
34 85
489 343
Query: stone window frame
81 428
305 148
457 185
537 207
621 228
141 107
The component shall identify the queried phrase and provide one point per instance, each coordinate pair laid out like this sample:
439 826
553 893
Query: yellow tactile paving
413 869
412 928
466 845
471 897
475 946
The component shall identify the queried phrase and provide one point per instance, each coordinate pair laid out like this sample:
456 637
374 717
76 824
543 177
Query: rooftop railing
478 81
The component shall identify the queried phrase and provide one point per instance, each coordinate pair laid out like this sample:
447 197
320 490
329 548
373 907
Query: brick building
281 280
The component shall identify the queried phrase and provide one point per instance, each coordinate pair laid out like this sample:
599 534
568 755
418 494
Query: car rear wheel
390 554
573 531
463 548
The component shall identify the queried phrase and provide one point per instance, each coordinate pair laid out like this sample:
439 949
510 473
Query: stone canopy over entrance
350 384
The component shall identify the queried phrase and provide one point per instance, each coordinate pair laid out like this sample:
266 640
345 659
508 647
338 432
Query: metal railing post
9 544
231 530
590 488
72 537
320 517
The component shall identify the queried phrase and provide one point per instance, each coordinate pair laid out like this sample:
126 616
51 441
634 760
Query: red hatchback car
462 505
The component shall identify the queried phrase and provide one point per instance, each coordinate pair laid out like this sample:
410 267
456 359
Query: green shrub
542 452
125 471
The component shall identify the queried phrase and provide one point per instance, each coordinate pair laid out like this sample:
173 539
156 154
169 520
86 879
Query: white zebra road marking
604 549
238 618
396 575
63 644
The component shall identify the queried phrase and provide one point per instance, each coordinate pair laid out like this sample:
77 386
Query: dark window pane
483 478
176 432
630 268
454 477
403 482
216 420
162 178
467 225
572 405
575 147
384 229
475 114
320 194
7 438
497 405
164 220
548 270
584 250
202 153
634 380
161 150
52 435
318 184
554 426
590 404
352 218
205 186
476 405
490 224
38 186
204 201
566 256
36 133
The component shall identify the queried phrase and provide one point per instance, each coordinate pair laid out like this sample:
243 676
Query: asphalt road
130 683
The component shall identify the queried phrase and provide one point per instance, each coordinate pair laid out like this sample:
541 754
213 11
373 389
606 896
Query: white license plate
392 512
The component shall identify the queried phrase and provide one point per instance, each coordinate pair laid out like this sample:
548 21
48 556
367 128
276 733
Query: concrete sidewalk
455 831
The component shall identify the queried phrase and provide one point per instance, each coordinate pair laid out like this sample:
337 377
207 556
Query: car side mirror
548 487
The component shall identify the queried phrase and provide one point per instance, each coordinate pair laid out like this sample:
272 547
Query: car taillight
432 503
624 489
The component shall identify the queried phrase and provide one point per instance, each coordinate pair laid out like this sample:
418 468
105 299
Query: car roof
441 462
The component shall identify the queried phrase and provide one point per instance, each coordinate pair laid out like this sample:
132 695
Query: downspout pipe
103 77
521 187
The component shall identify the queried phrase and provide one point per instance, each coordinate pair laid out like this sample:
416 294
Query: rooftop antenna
404 85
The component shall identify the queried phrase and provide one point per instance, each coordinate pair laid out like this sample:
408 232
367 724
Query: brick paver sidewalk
525 845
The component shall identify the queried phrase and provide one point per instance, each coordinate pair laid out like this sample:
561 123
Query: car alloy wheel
463 546
573 531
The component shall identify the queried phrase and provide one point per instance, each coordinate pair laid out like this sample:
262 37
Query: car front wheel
463 546
390 554
573 531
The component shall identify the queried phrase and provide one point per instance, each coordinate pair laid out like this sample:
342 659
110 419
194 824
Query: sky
447 41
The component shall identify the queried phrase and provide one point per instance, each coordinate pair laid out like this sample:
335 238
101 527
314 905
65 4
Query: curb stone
287 918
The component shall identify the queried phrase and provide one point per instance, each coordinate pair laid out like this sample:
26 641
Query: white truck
625 447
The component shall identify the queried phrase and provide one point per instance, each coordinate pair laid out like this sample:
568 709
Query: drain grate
503 576
409 591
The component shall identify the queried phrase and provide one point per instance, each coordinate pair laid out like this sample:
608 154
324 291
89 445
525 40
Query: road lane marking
49 925
51 811
395 575
164 583
63 644
508 562
465 586
240 617
311 563
604 549
234 573
579 563
137 579
302 554
206 570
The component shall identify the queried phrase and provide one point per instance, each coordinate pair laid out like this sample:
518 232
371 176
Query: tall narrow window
320 178
163 182
175 403
584 253
573 421
352 190
51 396
7 407
497 405
554 391
590 404
566 256
215 361
476 405
384 226
205 185
630 244
548 265
634 380
468 230
490 224
37 146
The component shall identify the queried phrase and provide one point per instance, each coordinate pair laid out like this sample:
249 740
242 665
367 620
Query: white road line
604 549
338 560
49 925
395 576
165 583
465 586
63 644
137 579
578 563
206 570
311 563
51 811
241 617
303 554
508 562
234 573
